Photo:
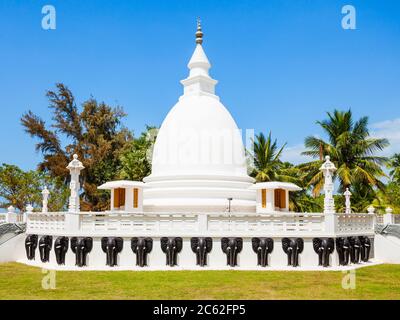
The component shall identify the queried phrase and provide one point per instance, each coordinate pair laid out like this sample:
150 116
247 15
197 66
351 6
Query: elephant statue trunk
365 249
262 247
343 250
293 248
324 248
355 247
60 249
201 247
31 243
171 247
231 247
111 246
141 247
45 244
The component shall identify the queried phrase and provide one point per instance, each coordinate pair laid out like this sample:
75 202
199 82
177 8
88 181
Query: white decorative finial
75 164
389 210
45 191
371 209
29 208
328 165
11 209
199 33
347 195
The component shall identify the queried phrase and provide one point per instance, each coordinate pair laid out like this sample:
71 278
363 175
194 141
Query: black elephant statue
81 247
60 249
263 247
171 247
31 243
365 248
324 247
355 248
293 248
141 247
343 250
111 246
201 247
231 247
45 244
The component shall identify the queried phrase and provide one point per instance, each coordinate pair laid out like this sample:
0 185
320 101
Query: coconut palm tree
394 165
266 159
351 149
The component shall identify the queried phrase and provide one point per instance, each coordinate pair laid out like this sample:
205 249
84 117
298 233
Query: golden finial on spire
199 33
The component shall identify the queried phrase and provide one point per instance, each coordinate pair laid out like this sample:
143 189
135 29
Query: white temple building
199 209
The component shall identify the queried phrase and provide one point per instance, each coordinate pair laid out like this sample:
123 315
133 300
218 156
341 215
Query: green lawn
18 281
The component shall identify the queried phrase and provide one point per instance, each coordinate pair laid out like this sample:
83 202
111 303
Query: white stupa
199 158
198 192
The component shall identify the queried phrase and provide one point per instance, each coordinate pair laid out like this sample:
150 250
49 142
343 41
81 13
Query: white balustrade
12 216
295 224
270 223
148 222
49 222
379 218
353 223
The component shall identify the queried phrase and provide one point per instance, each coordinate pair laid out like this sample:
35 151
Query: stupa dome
199 158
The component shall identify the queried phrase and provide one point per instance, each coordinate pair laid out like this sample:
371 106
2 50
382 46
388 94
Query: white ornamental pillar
29 210
371 211
347 195
45 194
11 215
74 167
388 217
328 168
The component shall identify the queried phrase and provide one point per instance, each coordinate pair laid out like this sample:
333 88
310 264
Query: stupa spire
199 81
199 32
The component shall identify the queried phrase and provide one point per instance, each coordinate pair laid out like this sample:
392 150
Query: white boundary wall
215 225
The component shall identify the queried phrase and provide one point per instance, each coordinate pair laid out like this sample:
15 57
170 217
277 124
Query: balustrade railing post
388 217
11 216
72 221
371 211
330 223
202 220
29 210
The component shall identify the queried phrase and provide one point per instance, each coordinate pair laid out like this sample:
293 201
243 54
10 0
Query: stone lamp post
328 168
72 217
75 167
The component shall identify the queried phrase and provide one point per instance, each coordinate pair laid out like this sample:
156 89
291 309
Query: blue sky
280 64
